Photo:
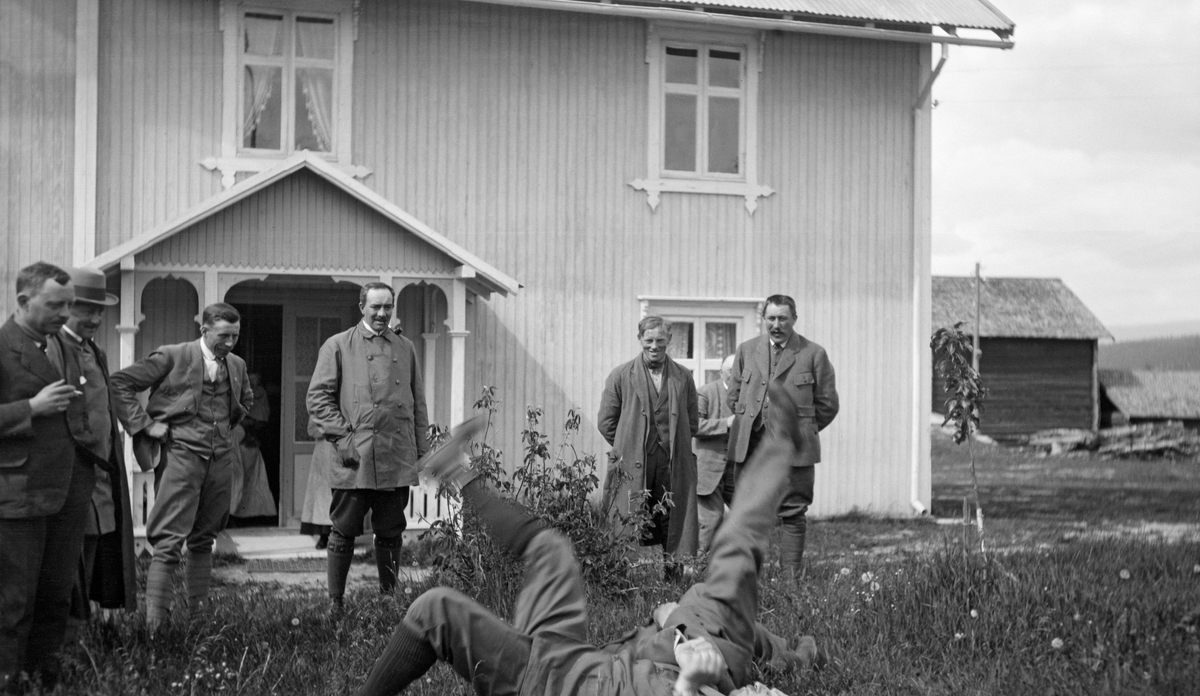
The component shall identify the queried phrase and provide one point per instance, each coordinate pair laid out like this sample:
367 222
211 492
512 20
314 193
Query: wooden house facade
1038 352
533 176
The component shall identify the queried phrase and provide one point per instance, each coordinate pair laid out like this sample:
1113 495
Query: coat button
370 357
637 465
397 381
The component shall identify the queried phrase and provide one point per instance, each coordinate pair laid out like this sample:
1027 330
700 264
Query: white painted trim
230 167
700 17
658 180
744 312
87 60
488 278
232 160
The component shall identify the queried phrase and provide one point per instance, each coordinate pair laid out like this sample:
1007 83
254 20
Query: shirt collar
367 329
206 352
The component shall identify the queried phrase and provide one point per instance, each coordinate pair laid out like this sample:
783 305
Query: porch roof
485 279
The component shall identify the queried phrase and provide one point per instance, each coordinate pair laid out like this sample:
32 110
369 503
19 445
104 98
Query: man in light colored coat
199 391
714 472
648 413
367 404
784 357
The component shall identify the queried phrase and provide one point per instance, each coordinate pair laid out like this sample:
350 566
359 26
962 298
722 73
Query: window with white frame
705 331
703 108
288 66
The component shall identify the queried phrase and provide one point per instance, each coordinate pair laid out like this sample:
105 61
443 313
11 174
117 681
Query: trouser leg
710 510
22 543
727 602
483 649
793 515
59 575
551 597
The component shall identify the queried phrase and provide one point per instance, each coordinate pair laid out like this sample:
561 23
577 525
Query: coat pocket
13 460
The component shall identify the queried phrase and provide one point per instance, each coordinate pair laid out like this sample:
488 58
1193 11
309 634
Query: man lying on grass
705 642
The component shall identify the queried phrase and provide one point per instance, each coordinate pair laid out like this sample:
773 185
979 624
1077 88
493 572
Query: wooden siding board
159 113
838 160
288 226
37 136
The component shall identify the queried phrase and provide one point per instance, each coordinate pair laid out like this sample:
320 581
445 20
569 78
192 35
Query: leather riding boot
791 542
197 575
387 561
339 554
160 591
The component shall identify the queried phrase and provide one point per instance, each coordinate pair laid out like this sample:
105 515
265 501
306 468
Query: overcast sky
1077 155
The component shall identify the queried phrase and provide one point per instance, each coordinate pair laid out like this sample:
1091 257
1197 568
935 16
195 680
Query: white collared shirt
210 361
368 329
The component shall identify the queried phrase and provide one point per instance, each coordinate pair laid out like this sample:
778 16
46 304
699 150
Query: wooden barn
1038 347
1130 397
533 176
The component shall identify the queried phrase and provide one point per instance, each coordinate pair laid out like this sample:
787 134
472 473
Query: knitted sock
387 562
509 523
196 577
160 591
339 555
407 657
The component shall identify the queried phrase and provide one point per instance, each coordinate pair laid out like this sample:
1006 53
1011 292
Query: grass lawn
1071 603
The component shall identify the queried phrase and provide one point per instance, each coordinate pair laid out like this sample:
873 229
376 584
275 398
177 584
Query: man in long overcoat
108 557
366 401
648 413
784 357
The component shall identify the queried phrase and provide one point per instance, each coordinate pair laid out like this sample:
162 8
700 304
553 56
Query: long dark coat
625 418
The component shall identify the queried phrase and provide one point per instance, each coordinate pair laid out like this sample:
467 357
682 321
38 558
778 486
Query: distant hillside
1182 353
1143 332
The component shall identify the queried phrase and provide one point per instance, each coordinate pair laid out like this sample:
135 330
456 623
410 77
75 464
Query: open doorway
261 346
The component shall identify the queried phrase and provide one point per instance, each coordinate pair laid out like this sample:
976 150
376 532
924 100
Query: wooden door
305 328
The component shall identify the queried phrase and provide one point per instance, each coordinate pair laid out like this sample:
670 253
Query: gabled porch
290 247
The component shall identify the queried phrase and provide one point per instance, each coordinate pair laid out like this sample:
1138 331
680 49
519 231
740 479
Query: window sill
655 187
230 167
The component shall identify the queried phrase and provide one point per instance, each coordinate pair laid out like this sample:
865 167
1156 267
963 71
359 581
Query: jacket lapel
674 385
195 370
789 355
35 360
642 384
762 356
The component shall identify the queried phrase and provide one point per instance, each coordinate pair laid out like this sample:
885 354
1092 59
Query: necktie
217 373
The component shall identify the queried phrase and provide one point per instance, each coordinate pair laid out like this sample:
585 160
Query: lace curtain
262 38
316 40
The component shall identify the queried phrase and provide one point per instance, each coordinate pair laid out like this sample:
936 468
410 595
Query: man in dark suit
44 488
714 472
801 367
198 392
648 414
108 557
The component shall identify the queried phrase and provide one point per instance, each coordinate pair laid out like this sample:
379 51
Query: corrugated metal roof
1153 393
973 14
1015 308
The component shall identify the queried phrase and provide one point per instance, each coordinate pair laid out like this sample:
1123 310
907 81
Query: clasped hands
700 664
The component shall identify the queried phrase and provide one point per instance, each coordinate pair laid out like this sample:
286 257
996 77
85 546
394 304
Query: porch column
141 484
457 323
430 376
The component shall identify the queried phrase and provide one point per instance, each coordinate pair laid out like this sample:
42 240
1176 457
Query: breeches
388 508
191 503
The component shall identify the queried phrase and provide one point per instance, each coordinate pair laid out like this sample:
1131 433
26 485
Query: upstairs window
704 98
288 73
703 113
286 84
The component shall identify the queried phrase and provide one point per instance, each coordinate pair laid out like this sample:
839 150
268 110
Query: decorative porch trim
230 167
655 187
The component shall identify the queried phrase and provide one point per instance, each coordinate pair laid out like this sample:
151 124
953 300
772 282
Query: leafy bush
557 485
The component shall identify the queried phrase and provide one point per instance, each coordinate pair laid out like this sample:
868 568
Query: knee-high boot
791 542
387 561
196 577
339 555
160 590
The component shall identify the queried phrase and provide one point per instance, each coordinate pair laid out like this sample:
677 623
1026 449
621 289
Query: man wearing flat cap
107 573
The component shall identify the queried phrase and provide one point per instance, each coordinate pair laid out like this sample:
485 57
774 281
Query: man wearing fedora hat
107 575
